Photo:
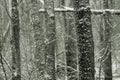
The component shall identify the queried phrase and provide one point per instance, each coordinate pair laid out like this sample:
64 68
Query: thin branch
68 67
7 64
20 2
7 9
3 65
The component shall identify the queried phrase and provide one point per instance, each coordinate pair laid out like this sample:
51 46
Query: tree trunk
107 43
84 39
70 43
16 62
38 28
60 36
71 52
50 40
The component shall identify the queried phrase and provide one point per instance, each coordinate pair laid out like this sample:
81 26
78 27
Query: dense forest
59 39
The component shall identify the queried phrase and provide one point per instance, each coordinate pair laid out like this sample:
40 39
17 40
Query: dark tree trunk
50 40
107 43
84 39
15 42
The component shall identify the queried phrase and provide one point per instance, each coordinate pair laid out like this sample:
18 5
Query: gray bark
50 40
38 28
60 36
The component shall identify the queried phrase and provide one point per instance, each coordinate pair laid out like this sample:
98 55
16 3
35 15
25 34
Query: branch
20 2
7 9
5 35
3 65
68 67
7 64
93 11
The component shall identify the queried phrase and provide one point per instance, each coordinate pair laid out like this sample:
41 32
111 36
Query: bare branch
93 11
7 9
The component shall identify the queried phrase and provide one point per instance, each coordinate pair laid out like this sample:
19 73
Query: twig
3 65
68 67
7 64
7 9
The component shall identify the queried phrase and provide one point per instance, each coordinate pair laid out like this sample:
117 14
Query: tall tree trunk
16 61
38 28
50 40
84 39
107 43
60 36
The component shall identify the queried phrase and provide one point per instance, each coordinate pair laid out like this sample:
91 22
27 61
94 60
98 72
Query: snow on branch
93 11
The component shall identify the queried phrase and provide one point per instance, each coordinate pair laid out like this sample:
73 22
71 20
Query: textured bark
107 43
38 28
15 42
84 39
50 40
60 49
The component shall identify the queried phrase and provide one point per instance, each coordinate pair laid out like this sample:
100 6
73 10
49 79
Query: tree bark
71 51
84 39
50 40
107 68
16 61
70 43
38 28
60 36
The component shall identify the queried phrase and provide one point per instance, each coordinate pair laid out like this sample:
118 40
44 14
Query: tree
38 28
70 42
84 39
15 42
60 37
107 67
50 40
